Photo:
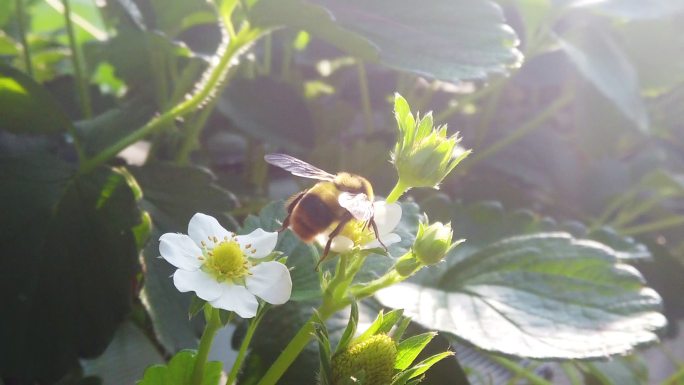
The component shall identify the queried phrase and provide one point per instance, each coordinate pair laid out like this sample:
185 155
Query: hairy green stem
21 14
399 189
368 289
214 77
235 370
213 325
365 97
79 73
522 131
294 347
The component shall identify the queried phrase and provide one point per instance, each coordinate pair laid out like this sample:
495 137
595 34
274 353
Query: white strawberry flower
225 269
358 234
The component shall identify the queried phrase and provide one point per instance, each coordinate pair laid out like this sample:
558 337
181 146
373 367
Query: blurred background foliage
572 109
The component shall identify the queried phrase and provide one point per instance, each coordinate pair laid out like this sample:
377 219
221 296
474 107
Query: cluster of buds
423 155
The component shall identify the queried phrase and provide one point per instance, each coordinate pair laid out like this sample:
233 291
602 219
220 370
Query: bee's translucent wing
298 167
357 204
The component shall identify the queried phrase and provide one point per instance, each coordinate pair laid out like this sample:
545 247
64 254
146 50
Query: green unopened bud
371 359
423 154
433 242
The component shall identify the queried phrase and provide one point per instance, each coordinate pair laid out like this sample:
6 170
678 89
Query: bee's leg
377 235
291 203
347 217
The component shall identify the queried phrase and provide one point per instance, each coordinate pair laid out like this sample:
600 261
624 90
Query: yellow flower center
226 261
359 232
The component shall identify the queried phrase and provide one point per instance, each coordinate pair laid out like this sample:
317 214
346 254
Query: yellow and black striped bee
327 206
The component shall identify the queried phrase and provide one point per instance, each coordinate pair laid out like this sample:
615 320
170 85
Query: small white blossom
224 269
355 233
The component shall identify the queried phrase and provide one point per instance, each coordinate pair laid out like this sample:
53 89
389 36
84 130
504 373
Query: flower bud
371 359
433 242
423 154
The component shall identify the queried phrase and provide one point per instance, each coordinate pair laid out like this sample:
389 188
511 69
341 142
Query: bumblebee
327 206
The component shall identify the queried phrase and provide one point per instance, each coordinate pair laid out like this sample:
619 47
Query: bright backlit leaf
450 40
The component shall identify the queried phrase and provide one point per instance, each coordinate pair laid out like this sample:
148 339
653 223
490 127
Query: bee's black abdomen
311 216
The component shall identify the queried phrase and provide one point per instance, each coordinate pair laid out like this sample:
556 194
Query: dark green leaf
72 260
545 295
172 195
410 348
269 110
26 107
179 371
101 131
445 39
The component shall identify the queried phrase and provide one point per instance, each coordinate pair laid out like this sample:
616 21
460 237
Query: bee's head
352 183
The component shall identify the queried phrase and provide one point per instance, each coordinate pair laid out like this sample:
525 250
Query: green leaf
602 61
546 295
172 195
389 320
410 348
286 122
26 107
179 371
69 245
450 40
104 129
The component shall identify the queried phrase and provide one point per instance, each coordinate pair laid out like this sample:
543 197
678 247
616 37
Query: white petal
238 299
387 239
271 282
262 241
198 281
387 216
341 244
180 251
203 226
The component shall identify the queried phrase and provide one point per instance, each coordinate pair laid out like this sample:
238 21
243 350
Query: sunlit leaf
179 371
545 295
602 61
444 39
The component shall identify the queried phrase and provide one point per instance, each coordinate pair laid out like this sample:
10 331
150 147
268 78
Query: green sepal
398 332
410 348
389 320
420 368
372 329
324 349
196 305
350 330
225 316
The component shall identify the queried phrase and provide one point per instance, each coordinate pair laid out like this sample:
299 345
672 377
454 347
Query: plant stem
21 14
79 73
662 224
365 97
213 324
519 370
399 189
368 289
292 350
527 128
232 376
214 76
